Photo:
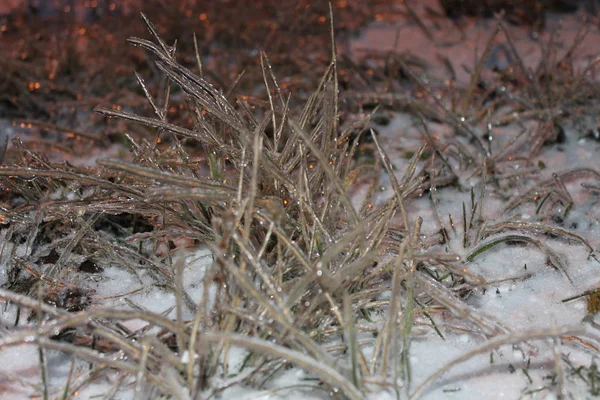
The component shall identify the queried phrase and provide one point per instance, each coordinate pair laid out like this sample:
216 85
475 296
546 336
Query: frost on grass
276 247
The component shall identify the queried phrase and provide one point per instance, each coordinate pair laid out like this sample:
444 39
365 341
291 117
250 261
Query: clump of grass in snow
299 269
289 247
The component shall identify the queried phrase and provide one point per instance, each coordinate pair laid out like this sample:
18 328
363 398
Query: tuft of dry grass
305 271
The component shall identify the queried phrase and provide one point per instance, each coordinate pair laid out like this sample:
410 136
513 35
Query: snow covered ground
522 292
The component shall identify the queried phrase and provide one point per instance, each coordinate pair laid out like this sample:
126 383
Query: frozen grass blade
554 259
494 344
534 85
398 189
456 306
323 371
387 337
476 74
350 335
535 228
324 163
150 173
544 186
83 230
407 319
140 377
58 174
275 313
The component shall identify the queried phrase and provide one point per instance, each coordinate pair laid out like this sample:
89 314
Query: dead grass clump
268 195
303 271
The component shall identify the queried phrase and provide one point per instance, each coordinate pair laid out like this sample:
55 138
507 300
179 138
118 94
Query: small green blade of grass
554 259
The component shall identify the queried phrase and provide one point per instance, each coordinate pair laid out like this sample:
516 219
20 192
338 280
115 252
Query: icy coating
522 291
